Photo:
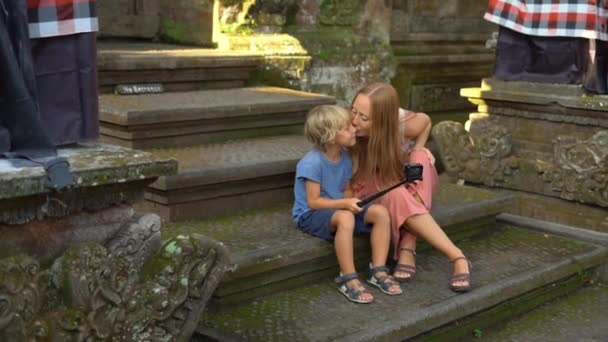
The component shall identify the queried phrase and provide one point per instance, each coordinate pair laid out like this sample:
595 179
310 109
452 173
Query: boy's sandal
461 277
403 268
353 293
384 282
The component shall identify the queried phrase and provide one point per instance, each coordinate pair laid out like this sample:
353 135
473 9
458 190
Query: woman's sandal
354 292
403 268
461 277
383 282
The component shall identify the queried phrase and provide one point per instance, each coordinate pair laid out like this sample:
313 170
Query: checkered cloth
552 18
50 18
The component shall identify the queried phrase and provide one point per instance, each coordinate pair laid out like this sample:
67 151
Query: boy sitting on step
325 208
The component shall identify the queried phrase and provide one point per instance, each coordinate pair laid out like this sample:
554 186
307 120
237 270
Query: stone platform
177 68
195 117
540 138
510 263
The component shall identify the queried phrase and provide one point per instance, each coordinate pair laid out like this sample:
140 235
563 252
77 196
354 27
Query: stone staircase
216 135
237 148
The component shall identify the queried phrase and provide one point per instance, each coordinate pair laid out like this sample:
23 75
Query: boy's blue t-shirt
332 176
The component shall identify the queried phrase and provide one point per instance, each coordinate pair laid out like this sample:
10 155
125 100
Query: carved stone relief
129 291
576 170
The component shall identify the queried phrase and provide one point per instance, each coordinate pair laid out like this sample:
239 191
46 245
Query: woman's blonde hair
379 156
323 123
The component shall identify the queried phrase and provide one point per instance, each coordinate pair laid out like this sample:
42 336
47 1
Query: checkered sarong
552 18
50 18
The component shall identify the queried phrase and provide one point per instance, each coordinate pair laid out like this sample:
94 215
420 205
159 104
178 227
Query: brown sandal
461 277
403 268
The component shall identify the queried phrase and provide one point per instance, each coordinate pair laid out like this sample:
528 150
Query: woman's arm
315 201
417 128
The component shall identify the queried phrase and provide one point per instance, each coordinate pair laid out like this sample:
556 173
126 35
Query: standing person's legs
596 80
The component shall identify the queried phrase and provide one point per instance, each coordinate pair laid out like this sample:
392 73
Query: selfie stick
366 200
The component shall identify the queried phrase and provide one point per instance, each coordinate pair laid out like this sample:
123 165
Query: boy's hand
350 204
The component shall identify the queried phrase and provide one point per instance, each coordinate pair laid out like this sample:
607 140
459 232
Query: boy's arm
315 201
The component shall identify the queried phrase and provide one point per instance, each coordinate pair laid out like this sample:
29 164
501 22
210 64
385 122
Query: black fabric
19 117
18 107
520 57
69 112
5 140
597 76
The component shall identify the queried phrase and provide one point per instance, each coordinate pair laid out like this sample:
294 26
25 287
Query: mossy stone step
197 117
269 253
576 317
508 263
224 178
178 68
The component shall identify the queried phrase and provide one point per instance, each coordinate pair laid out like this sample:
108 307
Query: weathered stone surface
47 239
559 211
269 254
105 175
91 293
190 118
177 68
187 22
220 179
508 262
129 18
555 147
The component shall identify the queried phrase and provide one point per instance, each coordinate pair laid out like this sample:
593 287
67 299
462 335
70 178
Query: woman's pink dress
401 202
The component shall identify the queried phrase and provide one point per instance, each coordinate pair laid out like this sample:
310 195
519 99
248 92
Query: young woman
388 137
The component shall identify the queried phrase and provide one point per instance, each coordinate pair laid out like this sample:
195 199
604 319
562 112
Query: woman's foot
406 266
461 279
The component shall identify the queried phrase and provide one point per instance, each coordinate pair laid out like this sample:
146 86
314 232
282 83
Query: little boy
324 207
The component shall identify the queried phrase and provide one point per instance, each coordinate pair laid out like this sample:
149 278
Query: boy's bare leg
343 223
426 227
380 238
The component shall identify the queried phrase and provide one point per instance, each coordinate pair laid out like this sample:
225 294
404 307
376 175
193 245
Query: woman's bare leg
426 227
408 241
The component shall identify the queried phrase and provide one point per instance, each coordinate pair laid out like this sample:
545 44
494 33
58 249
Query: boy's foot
379 277
352 288
405 269
461 279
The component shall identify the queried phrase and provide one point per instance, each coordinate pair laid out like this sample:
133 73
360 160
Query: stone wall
178 21
428 49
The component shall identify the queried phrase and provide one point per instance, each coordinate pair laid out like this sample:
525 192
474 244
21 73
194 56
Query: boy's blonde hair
323 123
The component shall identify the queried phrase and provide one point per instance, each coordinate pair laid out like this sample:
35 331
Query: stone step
196 117
576 317
510 264
268 253
176 67
223 178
